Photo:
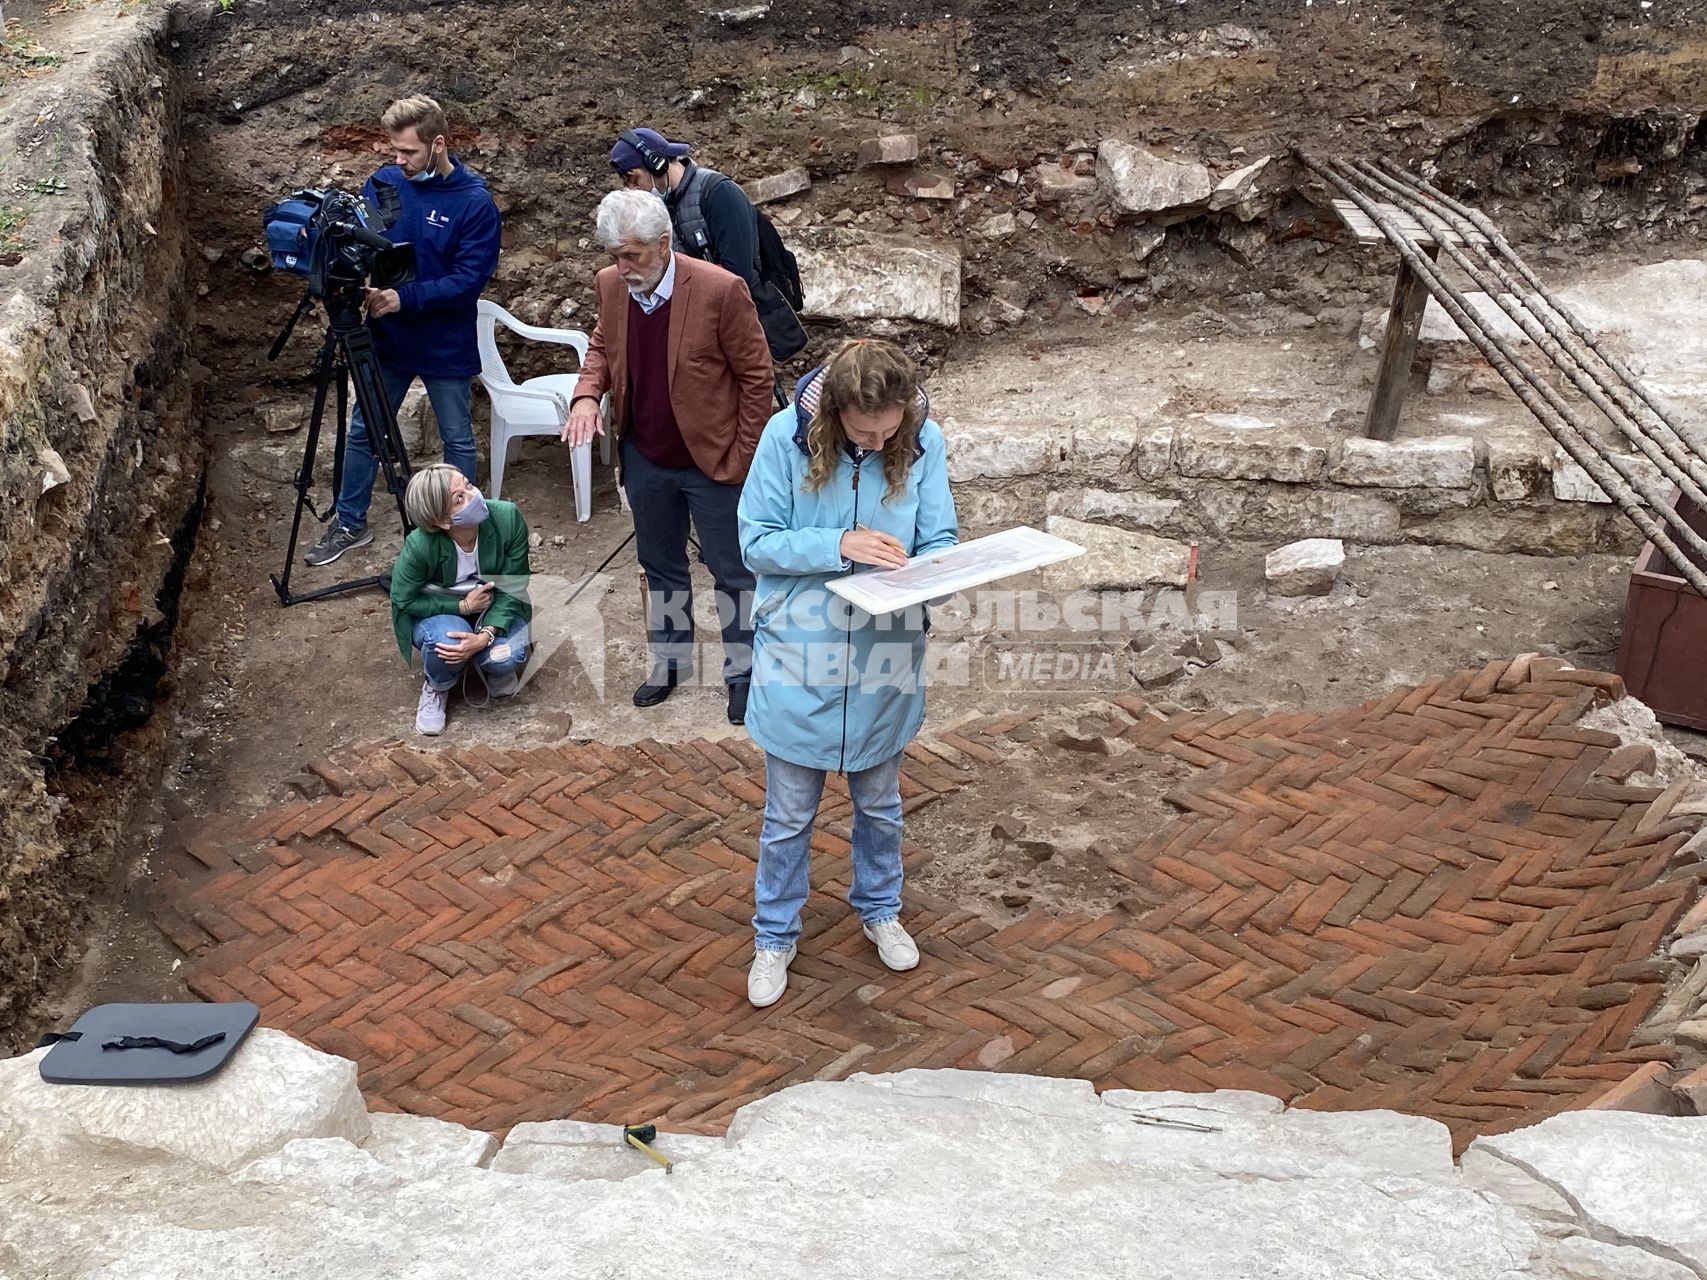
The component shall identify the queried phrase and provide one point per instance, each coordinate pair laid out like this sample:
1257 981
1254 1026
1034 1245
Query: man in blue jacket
424 329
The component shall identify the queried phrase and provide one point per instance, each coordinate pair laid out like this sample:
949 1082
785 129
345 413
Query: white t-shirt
467 565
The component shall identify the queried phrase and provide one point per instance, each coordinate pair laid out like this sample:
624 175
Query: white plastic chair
536 407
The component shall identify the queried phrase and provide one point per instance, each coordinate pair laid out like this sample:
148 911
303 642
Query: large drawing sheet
959 568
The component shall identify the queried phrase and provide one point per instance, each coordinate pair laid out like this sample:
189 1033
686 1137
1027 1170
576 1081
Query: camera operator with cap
424 329
709 213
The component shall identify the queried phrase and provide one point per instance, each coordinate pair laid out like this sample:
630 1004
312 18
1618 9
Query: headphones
656 162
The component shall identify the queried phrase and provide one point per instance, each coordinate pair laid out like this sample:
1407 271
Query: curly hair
866 375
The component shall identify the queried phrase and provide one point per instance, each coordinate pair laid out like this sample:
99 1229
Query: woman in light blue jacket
852 476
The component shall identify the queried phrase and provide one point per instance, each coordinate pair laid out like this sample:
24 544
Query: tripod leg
378 416
326 368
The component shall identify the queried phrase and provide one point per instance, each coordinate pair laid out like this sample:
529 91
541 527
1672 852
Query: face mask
430 172
473 511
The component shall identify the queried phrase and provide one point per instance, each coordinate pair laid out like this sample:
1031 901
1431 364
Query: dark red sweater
651 420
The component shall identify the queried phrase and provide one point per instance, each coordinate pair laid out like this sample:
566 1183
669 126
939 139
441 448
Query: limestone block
324 1162
281 417
893 148
778 186
420 1146
1137 180
1155 456
998 226
1141 509
274 1089
1307 568
1114 559
1225 1101
1237 191
1236 447
849 275
1518 469
984 511
1102 446
1547 1211
1001 451
575 1150
1579 1258
1292 511
1439 462
1572 483
1251 1142
1635 1179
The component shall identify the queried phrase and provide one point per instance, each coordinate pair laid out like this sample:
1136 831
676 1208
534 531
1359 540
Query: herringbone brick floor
1446 901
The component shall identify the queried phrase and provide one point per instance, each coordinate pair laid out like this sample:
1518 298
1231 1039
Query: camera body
328 236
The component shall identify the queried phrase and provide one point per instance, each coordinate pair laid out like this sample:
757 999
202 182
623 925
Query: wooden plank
1398 350
1364 228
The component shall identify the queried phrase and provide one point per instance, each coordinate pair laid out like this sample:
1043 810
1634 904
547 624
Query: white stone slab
1435 462
1634 1179
274 1089
852 276
1306 568
1115 559
1137 180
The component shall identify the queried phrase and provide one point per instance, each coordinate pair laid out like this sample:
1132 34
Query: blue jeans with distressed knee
792 793
509 654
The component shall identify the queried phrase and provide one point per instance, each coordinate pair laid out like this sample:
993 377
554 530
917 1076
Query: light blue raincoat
833 687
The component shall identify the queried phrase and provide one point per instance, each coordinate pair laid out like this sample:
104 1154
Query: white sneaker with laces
768 978
895 946
430 710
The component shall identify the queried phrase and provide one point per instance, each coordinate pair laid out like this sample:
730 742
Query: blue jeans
791 804
493 662
663 498
450 398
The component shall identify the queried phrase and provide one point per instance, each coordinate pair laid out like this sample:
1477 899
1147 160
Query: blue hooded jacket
454 225
834 687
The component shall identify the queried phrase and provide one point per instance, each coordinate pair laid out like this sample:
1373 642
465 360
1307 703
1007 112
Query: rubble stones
921 186
1135 180
1306 568
1059 180
1439 462
894 148
778 186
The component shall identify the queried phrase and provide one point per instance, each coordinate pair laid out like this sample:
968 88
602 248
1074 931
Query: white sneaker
895 946
430 710
768 978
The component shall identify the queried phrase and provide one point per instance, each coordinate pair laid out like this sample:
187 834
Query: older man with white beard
679 347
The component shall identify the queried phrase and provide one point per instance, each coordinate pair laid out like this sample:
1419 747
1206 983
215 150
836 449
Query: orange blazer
719 364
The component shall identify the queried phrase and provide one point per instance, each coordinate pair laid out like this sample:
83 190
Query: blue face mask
430 172
473 511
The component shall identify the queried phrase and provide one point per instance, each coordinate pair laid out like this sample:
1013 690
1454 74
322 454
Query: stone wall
1203 475
276 1167
99 464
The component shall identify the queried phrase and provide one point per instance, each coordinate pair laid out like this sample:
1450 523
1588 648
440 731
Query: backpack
777 265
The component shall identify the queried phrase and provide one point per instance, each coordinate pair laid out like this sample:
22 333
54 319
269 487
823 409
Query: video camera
327 235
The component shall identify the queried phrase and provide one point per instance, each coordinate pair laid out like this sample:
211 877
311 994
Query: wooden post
1398 349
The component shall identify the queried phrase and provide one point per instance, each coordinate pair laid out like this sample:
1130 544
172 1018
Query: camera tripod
346 356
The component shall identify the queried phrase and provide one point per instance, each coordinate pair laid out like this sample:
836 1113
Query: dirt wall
99 466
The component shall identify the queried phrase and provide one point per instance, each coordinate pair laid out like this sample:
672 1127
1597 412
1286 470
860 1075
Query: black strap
54 1037
155 1042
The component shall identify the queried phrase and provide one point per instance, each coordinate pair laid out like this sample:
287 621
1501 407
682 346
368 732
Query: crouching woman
459 591
852 476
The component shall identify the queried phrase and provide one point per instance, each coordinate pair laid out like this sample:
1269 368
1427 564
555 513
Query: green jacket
429 558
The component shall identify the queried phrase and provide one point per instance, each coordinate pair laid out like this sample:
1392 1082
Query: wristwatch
491 635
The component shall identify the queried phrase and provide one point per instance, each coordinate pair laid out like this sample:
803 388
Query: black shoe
657 687
335 541
738 702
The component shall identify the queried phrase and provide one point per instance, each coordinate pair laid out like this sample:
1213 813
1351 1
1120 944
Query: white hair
629 215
